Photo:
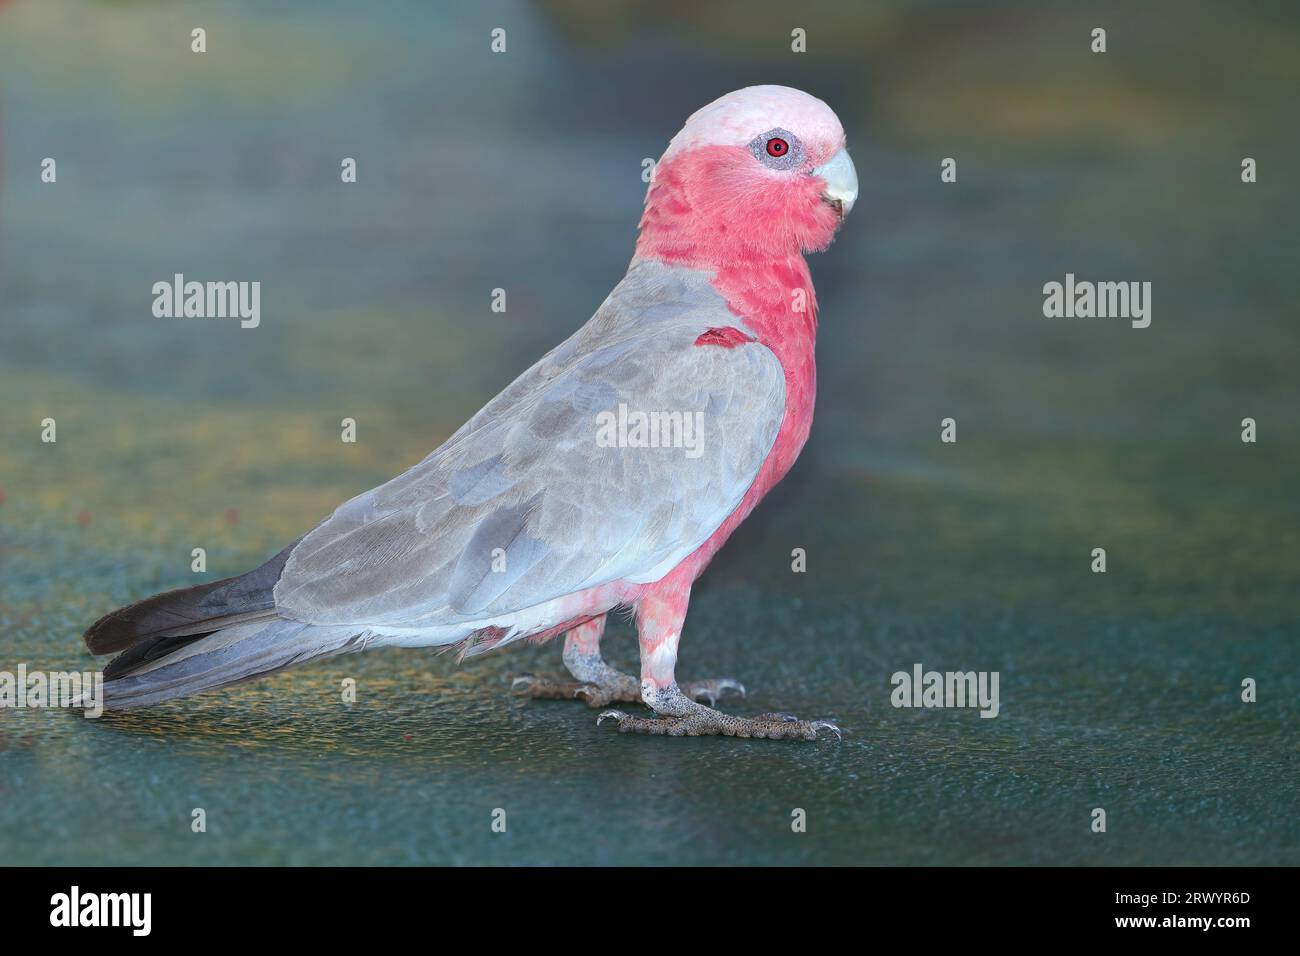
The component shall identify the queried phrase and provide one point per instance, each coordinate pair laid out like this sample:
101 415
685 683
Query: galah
606 476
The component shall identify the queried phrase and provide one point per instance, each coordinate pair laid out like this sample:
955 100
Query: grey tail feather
228 656
190 612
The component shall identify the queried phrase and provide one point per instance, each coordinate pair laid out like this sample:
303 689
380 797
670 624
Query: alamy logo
629 429
103 909
1101 300
209 300
36 689
949 689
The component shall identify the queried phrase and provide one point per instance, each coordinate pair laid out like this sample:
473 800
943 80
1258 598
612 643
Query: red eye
777 147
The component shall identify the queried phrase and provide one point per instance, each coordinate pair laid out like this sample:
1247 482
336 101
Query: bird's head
761 173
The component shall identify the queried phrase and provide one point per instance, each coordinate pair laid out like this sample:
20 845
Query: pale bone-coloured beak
841 181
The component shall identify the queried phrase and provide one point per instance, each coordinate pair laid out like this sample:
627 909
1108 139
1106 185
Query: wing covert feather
530 501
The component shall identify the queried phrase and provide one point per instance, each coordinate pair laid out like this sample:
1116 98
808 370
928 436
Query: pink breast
762 296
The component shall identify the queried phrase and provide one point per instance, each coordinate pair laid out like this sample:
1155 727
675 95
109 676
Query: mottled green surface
522 171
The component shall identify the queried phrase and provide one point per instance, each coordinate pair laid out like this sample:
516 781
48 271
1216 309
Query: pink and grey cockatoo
527 522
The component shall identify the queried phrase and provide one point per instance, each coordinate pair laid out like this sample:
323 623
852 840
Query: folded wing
550 489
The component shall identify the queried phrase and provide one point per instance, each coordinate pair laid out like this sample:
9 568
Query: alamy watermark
947 689
634 429
209 300
1102 300
38 689
75 908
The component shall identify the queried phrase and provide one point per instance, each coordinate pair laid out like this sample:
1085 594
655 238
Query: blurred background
522 170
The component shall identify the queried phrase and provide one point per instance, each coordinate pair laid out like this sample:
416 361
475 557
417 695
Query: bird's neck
773 297
750 238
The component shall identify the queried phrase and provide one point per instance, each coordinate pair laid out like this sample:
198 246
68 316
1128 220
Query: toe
593 695
730 683
542 688
819 725
709 691
522 683
616 715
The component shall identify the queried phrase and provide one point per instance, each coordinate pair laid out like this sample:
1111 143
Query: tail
231 655
208 636
190 612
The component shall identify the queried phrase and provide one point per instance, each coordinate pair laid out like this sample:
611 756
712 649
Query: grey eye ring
777 149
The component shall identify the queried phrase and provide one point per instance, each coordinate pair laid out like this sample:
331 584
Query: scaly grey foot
600 685
679 716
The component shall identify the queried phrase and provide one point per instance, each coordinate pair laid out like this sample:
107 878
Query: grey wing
535 501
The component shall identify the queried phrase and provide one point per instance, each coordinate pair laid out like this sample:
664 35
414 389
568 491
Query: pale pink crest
738 117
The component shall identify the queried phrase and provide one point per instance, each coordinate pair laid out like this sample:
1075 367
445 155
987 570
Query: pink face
758 173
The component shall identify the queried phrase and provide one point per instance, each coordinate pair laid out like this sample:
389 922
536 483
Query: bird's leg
594 681
590 673
659 616
597 684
